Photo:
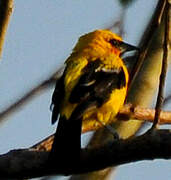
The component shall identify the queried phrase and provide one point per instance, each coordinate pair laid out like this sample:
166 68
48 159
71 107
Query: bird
93 86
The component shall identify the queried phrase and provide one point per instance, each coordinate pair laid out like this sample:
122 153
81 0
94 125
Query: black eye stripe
115 42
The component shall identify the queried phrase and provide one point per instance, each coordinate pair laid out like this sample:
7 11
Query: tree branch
5 13
144 114
29 163
126 113
160 97
146 40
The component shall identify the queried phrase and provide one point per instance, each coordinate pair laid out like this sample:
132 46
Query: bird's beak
125 47
122 46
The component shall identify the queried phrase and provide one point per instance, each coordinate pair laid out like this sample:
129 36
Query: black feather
67 143
57 97
97 83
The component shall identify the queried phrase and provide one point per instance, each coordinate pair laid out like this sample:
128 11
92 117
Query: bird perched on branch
93 86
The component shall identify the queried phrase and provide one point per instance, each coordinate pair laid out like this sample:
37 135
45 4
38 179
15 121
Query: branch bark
28 163
144 114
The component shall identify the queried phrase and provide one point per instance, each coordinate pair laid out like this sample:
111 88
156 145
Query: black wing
95 86
67 140
57 98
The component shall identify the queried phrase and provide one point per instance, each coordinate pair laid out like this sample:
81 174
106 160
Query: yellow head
100 43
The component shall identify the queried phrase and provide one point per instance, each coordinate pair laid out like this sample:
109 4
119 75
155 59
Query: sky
40 36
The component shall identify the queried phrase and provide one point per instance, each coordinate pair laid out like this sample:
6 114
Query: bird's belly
109 109
105 114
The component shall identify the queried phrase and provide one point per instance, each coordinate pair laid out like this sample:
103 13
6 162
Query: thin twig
167 99
119 24
24 99
6 7
146 40
160 97
16 105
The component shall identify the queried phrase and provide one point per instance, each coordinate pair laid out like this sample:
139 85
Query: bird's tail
67 142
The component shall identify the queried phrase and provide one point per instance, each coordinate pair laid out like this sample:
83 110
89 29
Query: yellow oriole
93 86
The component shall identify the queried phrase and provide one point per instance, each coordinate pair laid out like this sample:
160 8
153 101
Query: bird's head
100 42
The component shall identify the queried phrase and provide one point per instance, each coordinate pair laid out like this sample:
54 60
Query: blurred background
40 37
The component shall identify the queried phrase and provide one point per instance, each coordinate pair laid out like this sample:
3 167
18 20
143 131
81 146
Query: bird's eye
115 42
